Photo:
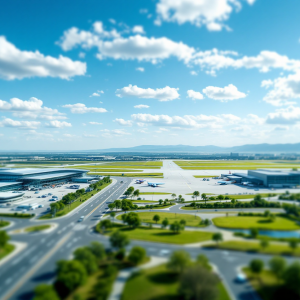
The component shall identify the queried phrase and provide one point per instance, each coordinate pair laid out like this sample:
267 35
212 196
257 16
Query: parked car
36 192
40 206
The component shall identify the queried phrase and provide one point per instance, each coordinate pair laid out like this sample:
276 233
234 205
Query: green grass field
147 217
17 215
256 222
205 176
246 246
37 228
3 223
154 175
158 283
8 248
163 235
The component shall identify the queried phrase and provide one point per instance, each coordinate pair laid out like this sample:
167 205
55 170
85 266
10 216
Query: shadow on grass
164 277
265 221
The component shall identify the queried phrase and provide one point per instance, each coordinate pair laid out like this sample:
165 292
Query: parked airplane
224 182
155 184
139 181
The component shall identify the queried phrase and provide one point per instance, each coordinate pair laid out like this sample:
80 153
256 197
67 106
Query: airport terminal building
15 179
268 178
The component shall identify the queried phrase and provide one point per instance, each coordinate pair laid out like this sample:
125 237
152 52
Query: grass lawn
163 235
158 283
246 246
205 176
73 205
154 175
147 217
8 248
37 228
17 215
3 223
255 222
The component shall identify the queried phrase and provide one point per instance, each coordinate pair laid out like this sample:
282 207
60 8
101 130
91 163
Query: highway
37 262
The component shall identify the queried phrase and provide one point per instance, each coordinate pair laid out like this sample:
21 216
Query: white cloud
164 94
209 13
194 73
141 106
17 64
95 95
140 69
112 21
95 123
81 55
195 95
58 124
229 92
123 122
114 132
138 29
31 109
19 124
289 115
80 108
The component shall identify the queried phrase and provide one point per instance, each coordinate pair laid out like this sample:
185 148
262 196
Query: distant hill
258 148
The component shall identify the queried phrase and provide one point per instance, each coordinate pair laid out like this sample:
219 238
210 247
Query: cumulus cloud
123 122
195 95
229 92
95 123
209 13
95 95
18 64
58 124
19 124
194 73
140 69
138 29
141 106
164 94
80 108
289 115
114 132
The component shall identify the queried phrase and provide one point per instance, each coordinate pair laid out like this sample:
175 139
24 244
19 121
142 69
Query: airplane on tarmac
140 181
224 182
155 184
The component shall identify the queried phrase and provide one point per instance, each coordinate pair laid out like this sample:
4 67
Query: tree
264 243
112 215
4 238
182 223
45 292
204 197
198 283
103 225
111 206
137 255
205 222
277 266
136 193
165 223
217 237
70 275
117 204
179 260
256 266
131 219
119 240
220 197
173 195
203 261
156 218
292 277
267 213
98 250
196 194
176 227
129 191
160 201
87 258
254 233
293 244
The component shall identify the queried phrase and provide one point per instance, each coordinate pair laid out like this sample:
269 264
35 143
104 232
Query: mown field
144 175
236 165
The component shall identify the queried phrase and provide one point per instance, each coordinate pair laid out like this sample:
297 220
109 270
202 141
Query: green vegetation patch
17 215
205 176
158 283
163 235
279 223
37 228
7 249
154 175
4 223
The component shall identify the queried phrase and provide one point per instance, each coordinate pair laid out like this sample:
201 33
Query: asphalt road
37 262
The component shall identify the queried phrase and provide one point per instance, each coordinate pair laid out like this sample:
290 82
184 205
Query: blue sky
101 74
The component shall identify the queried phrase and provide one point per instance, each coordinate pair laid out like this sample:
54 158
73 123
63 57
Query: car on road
52 199
240 278
39 196
40 206
36 192
49 194
81 219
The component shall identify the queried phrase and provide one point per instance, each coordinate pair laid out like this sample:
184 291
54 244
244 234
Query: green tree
179 260
291 277
256 266
254 233
136 193
160 201
293 244
45 292
137 255
173 195
182 223
111 206
203 261
119 240
176 227
98 250
264 243
196 194
117 204
204 197
70 275
156 218
217 237
131 219
104 225
112 215
198 283
87 258
277 265
165 223
4 238
220 197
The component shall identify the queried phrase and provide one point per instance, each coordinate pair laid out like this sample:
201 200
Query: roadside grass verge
255 247
7 249
37 228
3 223
154 175
76 203
144 201
205 176
158 283
147 217
17 215
124 167
162 235
255 222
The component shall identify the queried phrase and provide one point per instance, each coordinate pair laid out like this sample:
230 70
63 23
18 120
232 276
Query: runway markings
35 268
